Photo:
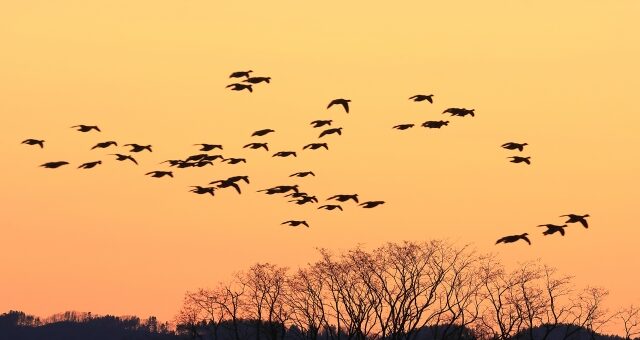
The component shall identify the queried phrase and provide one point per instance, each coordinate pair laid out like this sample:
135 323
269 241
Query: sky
561 76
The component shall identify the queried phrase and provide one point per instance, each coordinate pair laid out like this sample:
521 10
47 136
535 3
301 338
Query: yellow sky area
562 76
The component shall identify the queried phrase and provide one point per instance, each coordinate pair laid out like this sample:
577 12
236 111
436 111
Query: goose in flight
262 132
371 204
284 154
513 146
297 194
89 165
518 159
232 179
331 131
295 223
212 157
303 174
422 97
433 124
403 126
209 147
53 165
454 111
256 146
280 189
315 146
340 101
177 162
104 145
321 123
159 174
514 238
203 190
552 228
196 157
86 128
228 183
573 218
122 157
240 87
34 142
138 147
344 198
330 207
305 199
258 80
240 74
202 163
234 160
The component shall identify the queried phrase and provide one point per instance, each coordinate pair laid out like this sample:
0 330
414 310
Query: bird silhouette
305 199
89 165
240 87
552 228
421 97
321 123
514 238
228 183
159 174
232 179
281 189
454 111
203 190
240 74
302 174
178 162
196 157
138 147
85 128
53 165
330 207
284 154
202 163
371 204
104 145
209 147
403 126
295 223
258 80
257 146
315 146
297 194
344 198
573 218
518 159
212 157
262 132
433 124
331 131
513 146
340 101
234 160
122 157
34 142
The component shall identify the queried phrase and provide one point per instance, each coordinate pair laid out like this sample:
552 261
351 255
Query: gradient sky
562 76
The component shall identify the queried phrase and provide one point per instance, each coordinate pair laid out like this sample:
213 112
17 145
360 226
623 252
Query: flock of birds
293 192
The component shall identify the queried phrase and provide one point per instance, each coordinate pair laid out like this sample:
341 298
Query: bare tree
265 287
630 317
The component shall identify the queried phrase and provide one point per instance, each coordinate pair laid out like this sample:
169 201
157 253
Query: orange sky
562 76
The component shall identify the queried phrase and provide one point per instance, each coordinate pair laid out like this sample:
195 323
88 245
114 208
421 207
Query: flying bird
302 174
240 74
228 183
330 207
262 132
518 159
53 165
209 147
573 218
138 147
196 157
297 194
454 111
340 101
89 165
34 142
122 157
281 189
104 145
331 131
295 223
513 146
240 87
159 174
86 128
344 198
234 160
321 123
203 190
257 146
258 80
305 199
315 146
552 228
514 238
403 126
284 154
371 204
422 97
432 124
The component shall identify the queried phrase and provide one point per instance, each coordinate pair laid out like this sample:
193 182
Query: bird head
525 234
587 215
